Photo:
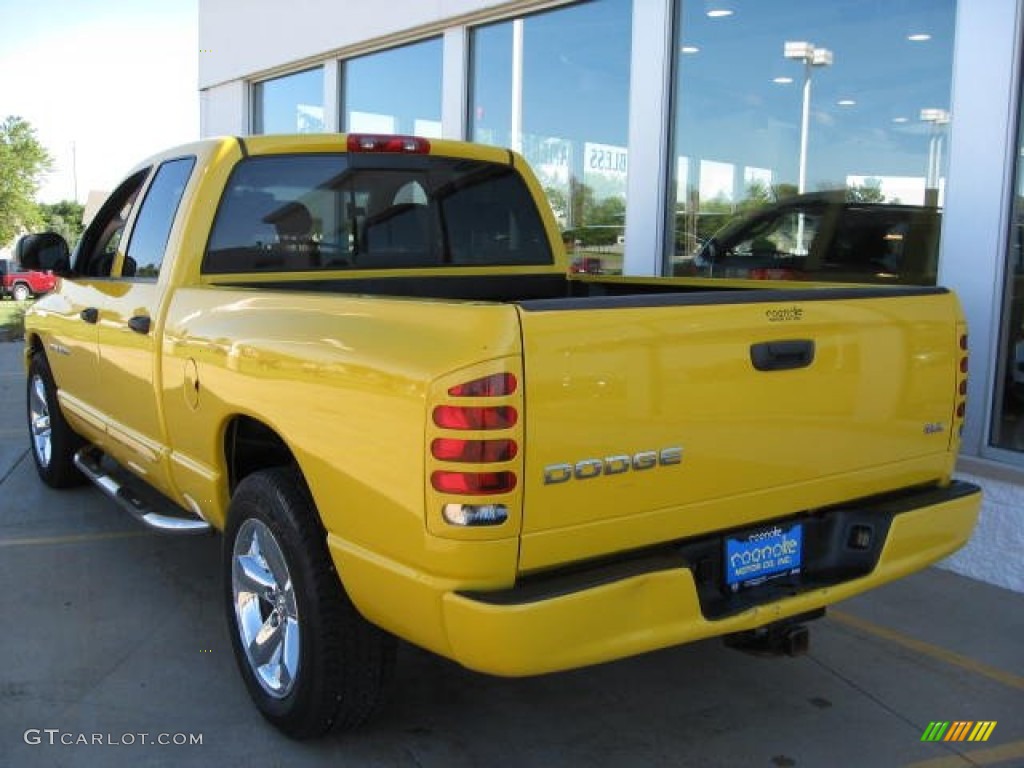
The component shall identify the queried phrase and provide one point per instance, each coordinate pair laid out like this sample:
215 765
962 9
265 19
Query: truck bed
553 291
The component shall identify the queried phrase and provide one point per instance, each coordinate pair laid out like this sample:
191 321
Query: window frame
99 233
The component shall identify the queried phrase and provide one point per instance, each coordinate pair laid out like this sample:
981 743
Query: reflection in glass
1008 416
555 86
824 123
395 91
290 104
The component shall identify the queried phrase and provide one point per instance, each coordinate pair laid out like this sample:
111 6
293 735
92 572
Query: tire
54 443
324 666
21 292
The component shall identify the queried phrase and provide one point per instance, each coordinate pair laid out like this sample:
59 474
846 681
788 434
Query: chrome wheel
39 421
265 607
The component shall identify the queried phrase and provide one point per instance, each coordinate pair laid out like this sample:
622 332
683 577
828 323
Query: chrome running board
148 506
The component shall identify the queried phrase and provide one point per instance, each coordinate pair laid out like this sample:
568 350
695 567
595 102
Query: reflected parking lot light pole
939 119
811 57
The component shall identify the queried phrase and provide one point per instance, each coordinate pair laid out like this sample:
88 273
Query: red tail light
490 417
473 483
961 407
492 455
496 385
409 145
768 273
473 451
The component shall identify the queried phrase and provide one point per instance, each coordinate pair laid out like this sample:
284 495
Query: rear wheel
53 442
309 660
21 292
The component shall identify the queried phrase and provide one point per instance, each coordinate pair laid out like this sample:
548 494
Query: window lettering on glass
331 212
153 225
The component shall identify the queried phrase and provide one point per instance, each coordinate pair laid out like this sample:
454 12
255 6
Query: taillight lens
473 451
473 417
473 483
496 385
961 406
494 410
409 145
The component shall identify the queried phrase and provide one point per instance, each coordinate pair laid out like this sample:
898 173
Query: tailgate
652 407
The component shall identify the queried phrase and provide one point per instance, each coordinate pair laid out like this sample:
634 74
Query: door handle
139 323
90 315
785 355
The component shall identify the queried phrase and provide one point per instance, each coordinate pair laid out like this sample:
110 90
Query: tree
868 192
784 190
609 211
581 202
64 218
759 195
23 160
558 202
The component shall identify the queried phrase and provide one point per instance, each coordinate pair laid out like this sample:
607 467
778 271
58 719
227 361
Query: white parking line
82 538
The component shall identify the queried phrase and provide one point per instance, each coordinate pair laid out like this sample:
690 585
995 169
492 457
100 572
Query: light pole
811 57
939 118
74 171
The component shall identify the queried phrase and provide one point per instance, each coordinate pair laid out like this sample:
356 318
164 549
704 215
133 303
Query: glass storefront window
555 86
809 139
1008 418
290 104
395 91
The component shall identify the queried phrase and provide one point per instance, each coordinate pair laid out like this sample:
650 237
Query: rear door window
153 225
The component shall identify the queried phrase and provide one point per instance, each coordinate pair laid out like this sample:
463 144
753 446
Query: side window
156 216
99 243
786 236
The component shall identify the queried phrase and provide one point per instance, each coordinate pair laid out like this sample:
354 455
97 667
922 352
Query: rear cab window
309 212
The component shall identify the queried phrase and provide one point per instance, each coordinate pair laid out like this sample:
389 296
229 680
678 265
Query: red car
23 284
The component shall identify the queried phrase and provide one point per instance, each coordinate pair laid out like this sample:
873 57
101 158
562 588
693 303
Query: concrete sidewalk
113 631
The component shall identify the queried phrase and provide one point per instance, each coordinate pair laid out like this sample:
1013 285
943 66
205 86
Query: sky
115 79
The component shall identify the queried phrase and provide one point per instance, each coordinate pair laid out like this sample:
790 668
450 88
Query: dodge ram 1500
363 360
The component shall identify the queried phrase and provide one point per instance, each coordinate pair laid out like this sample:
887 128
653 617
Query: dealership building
653 124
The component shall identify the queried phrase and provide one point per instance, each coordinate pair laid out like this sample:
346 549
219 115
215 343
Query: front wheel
21 292
309 660
54 443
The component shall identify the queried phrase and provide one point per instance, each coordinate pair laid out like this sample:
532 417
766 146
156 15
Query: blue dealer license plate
756 557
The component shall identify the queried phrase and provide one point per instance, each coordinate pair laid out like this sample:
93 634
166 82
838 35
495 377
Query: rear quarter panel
344 380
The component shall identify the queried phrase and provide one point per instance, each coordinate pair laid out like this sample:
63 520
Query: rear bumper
620 609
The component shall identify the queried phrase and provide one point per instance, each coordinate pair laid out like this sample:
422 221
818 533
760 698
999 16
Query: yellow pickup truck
362 359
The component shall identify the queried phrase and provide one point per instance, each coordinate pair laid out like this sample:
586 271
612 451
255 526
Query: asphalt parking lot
109 632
